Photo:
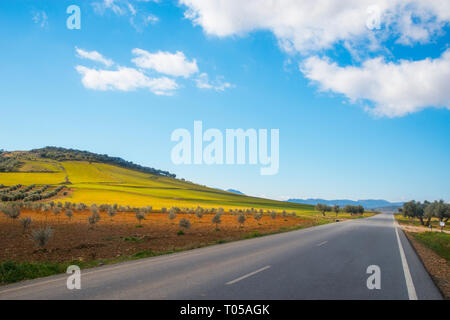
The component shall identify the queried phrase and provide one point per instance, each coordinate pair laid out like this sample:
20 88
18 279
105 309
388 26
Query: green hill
93 178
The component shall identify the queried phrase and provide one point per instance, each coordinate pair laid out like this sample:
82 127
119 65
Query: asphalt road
325 262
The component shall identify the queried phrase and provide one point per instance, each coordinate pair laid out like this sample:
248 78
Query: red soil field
75 240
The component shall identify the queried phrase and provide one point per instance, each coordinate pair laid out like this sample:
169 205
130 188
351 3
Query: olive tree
336 209
413 209
241 219
322 208
216 220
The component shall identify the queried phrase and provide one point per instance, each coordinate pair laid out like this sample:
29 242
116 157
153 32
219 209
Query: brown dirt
437 267
419 229
74 240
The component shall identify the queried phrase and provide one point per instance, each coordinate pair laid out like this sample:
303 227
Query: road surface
324 262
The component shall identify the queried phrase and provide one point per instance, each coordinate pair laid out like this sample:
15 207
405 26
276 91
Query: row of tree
62 154
28 194
426 211
8 164
323 208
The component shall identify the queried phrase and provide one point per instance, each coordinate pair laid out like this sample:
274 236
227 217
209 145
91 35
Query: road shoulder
437 267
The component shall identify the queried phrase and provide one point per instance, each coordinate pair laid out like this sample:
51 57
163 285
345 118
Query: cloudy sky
358 89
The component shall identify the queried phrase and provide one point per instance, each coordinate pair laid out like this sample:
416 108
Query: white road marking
247 275
322 243
412 295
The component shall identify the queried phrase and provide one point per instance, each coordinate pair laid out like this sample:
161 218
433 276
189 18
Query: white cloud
129 79
138 17
124 79
304 25
152 19
94 56
117 6
203 82
173 64
40 18
395 89
309 28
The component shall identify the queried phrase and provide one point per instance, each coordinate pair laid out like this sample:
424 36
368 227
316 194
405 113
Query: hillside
92 178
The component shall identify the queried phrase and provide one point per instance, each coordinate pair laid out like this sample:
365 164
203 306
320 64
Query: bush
185 223
140 217
12 212
216 220
69 214
25 222
56 211
41 236
13 272
111 212
241 219
199 212
172 214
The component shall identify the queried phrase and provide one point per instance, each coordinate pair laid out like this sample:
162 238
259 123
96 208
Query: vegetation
48 237
323 208
437 241
426 211
98 182
336 210
25 222
29 193
41 236
8 164
241 219
69 213
62 154
172 214
13 272
354 209
216 220
185 223
140 217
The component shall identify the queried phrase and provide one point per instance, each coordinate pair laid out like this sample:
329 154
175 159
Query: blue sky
362 113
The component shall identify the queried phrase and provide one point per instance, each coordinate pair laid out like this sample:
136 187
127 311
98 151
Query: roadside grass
439 242
416 223
11 272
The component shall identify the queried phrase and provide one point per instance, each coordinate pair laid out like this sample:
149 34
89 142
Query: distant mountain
368 204
388 209
235 191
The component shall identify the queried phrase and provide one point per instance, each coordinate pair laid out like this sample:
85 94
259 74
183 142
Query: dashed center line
247 275
322 243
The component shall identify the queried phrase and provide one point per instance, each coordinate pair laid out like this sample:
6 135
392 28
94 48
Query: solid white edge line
409 282
247 275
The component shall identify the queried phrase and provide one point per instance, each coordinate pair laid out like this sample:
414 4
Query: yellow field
104 183
31 178
39 166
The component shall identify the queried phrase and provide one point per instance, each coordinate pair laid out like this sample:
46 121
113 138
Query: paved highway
324 262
